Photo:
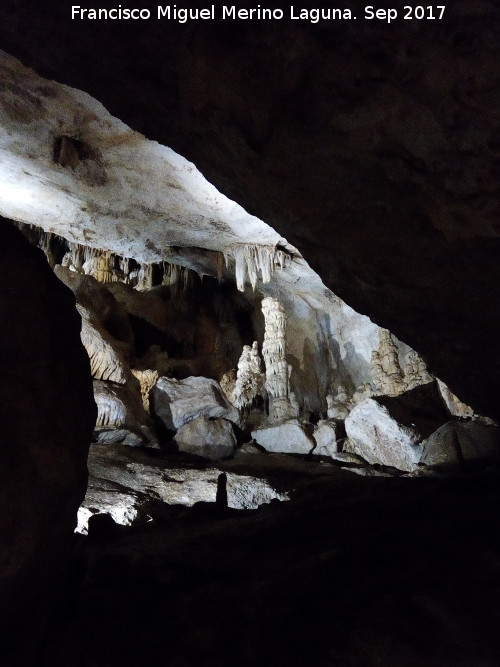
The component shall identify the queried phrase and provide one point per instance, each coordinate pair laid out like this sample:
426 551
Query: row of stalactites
252 259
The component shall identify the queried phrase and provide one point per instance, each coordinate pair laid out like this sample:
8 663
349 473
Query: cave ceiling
372 148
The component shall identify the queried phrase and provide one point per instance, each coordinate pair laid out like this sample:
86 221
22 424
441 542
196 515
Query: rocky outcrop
47 416
106 358
176 402
211 438
128 485
290 437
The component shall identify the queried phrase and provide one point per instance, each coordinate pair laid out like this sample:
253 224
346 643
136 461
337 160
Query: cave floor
351 571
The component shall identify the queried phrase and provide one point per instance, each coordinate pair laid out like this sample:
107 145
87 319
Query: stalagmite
274 353
250 379
147 380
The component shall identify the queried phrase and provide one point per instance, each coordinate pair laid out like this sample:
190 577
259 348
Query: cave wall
47 414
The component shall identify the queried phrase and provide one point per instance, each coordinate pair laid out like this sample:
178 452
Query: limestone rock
457 442
378 438
288 438
228 384
387 376
211 438
325 438
124 482
121 416
456 407
99 301
415 371
47 414
421 408
274 353
250 379
176 402
106 359
339 405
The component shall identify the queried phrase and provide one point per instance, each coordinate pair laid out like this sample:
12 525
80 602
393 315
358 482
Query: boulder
378 438
177 402
47 414
121 417
211 438
289 437
325 437
421 408
457 442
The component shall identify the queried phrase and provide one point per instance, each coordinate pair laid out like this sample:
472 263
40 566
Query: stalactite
252 260
274 353
180 278
144 277
219 265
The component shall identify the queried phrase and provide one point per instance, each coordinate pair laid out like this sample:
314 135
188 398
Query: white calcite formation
325 438
254 261
379 439
387 376
338 406
211 438
249 379
106 360
176 402
289 437
274 353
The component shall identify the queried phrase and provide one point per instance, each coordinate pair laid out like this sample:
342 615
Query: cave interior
250 341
